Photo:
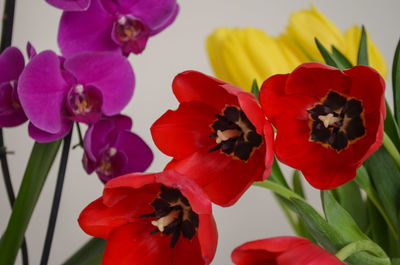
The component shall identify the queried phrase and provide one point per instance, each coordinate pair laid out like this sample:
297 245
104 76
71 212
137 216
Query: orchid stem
56 199
80 137
6 37
8 22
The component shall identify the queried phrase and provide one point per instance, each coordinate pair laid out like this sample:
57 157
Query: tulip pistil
175 215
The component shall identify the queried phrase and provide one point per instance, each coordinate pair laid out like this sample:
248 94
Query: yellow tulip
305 25
239 56
352 40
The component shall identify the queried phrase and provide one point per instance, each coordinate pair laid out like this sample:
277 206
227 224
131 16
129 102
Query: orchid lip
84 103
175 215
235 134
337 121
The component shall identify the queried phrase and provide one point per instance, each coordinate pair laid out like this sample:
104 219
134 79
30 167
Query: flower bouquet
318 107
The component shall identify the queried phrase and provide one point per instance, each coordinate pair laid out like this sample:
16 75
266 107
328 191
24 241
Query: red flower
218 136
328 121
163 218
285 250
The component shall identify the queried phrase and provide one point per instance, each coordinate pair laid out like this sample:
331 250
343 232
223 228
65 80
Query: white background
180 47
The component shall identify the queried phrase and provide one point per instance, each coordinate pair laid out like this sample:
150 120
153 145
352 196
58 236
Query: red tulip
218 136
285 250
328 121
163 218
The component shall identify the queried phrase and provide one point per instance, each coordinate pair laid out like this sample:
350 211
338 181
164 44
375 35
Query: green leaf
329 237
278 189
349 197
90 253
385 177
378 230
277 175
340 219
396 83
329 60
362 58
339 57
396 261
39 164
297 185
255 90
94 261
364 182
391 127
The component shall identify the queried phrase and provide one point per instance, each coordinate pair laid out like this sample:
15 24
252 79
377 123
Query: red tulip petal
308 254
275 103
182 132
223 178
367 86
207 235
133 244
250 106
292 146
264 251
315 80
99 219
269 145
195 86
329 178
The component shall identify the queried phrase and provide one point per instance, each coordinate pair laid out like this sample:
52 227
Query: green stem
362 245
278 189
392 150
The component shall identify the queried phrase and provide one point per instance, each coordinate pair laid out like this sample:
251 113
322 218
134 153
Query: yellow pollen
82 105
328 119
105 166
130 32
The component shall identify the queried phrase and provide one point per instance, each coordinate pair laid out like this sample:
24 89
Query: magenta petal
156 14
11 113
138 152
11 64
88 30
111 73
101 135
96 139
43 137
70 5
42 91
30 50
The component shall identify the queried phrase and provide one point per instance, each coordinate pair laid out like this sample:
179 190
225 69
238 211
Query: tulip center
234 134
337 121
174 215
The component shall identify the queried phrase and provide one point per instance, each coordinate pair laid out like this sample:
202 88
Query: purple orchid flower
11 65
70 5
112 150
55 92
115 25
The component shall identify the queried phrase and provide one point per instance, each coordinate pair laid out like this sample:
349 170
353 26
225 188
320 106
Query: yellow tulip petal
213 45
237 62
305 25
352 40
294 55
